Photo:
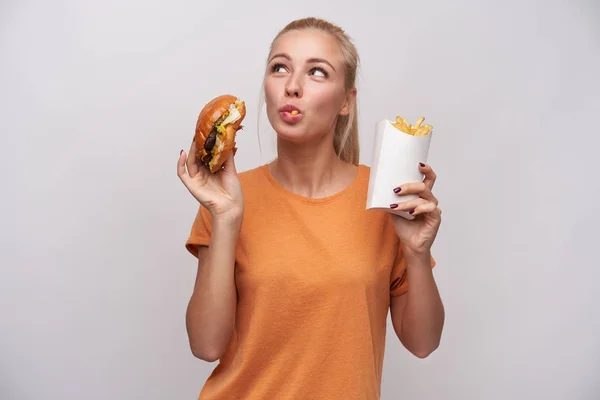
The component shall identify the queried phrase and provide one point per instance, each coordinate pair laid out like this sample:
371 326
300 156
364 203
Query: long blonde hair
345 141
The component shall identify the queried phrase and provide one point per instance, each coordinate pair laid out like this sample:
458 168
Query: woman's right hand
221 192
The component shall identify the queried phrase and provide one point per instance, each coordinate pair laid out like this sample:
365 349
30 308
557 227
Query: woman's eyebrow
284 55
320 60
310 60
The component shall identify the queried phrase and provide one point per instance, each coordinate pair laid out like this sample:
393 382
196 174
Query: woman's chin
293 133
291 137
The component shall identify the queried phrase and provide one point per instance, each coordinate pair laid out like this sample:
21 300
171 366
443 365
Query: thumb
229 165
181 169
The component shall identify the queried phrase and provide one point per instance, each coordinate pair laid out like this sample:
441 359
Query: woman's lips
290 116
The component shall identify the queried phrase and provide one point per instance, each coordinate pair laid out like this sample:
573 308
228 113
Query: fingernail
393 205
421 164
397 190
411 211
181 152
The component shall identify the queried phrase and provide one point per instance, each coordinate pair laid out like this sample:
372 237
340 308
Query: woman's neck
313 172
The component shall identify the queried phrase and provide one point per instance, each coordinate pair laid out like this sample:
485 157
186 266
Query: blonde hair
345 141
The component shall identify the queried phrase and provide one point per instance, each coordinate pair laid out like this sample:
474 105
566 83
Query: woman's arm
211 310
418 315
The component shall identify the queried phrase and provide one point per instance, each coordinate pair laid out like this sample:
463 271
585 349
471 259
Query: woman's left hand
417 235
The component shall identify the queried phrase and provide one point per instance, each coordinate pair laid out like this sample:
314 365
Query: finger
418 188
181 169
408 205
186 178
427 207
430 176
192 164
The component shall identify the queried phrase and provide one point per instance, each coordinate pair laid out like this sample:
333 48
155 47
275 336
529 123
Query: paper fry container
396 157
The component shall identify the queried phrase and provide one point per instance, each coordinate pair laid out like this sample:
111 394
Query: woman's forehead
304 45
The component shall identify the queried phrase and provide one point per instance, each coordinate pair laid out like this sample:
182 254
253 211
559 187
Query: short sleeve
399 278
200 232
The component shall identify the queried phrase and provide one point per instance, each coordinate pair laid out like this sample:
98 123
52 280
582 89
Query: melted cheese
232 116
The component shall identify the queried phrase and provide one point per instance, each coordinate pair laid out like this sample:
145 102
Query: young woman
295 278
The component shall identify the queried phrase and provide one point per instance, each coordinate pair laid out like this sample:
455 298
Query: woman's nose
293 90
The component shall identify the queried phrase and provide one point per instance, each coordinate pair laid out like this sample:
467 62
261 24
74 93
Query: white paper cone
396 158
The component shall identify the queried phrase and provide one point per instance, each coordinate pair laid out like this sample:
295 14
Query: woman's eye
278 68
319 70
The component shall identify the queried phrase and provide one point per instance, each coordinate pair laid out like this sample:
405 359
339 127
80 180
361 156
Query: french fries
416 130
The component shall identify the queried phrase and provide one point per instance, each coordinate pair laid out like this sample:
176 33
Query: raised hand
418 235
221 192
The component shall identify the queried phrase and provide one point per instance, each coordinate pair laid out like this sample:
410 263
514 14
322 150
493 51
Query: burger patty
210 141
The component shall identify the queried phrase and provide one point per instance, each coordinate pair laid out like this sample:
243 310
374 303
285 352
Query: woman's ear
348 102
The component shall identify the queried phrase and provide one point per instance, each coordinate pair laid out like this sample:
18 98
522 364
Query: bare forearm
423 316
211 311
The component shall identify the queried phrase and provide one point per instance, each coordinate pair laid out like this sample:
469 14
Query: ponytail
345 140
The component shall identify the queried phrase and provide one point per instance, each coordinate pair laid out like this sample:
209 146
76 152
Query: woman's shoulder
253 176
365 168
254 181
363 175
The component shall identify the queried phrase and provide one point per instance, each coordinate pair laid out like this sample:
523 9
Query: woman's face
305 73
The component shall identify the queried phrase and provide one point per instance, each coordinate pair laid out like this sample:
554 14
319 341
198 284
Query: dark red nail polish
393 205
181 152
421 164
411 211
397 190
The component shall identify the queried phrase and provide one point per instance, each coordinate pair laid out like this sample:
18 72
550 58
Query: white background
98 98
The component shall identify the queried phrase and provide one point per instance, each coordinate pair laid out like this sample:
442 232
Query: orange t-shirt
314 280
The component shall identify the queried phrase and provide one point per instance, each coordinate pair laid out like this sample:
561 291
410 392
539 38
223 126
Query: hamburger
216 128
